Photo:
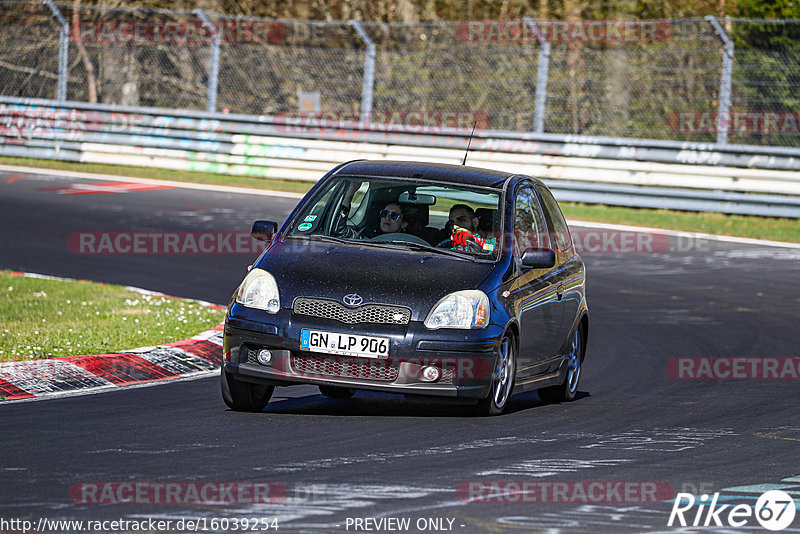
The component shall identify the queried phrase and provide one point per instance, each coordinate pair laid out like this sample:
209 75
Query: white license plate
344 344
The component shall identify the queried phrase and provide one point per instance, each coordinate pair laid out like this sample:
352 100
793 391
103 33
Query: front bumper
465 358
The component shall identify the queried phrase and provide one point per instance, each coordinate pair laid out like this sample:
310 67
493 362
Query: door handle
560 291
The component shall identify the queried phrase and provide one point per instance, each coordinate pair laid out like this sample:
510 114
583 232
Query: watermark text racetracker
763 122
563 31
733 368
398 121
105 526
585 242
575 491
164 243
180 493
193 32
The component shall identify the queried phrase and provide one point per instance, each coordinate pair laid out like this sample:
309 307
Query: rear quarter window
561 237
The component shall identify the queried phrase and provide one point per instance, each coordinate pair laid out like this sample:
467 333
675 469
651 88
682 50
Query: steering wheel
399 236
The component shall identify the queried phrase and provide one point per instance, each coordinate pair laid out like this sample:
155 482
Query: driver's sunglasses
392 214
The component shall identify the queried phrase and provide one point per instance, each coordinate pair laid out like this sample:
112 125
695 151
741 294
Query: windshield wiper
330 239
351 242
394 245
325 239
431 248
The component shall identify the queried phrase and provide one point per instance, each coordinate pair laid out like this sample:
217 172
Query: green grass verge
51 318
774 229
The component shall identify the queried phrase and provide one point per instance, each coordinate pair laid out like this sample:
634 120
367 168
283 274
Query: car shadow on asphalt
371 404
530 400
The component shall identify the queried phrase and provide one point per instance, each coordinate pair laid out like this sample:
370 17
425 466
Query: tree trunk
91 79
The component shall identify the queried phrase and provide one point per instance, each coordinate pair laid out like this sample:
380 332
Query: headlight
259 290
462 309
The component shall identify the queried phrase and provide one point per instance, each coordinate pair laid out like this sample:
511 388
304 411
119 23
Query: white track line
684 233
184 185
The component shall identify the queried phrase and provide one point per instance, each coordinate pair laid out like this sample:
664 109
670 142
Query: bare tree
91 79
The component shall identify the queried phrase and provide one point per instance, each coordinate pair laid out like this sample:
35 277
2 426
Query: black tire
244 396
566 391
334 392
503 377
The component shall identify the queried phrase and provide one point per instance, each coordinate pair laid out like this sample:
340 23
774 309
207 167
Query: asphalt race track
382 457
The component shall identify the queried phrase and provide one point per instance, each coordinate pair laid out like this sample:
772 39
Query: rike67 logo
774 510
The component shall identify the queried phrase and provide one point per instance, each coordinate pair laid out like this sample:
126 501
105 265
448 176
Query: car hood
330 271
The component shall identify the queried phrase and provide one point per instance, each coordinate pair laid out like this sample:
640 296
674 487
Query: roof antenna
469 142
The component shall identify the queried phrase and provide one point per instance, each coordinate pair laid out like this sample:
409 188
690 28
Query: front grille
248 354
447 376
333 366
368 313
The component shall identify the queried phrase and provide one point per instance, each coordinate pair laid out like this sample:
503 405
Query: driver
465 234
393 219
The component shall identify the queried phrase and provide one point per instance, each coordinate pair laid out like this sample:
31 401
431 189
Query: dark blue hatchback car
414 278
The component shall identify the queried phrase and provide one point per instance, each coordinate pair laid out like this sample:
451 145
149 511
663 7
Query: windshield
381 210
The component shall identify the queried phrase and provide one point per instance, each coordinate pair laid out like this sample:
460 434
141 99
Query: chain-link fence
665 79
766 80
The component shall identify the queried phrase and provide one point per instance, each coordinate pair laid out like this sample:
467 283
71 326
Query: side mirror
264 230
538 258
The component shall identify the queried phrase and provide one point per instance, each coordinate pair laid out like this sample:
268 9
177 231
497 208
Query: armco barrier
627 172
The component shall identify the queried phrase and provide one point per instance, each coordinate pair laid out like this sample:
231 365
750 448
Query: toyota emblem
352 300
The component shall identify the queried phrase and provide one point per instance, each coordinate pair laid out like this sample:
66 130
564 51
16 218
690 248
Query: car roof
440 172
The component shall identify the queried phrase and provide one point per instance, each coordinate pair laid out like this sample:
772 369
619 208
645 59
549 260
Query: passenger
464 231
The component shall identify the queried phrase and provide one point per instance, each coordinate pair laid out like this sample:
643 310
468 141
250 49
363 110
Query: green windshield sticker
305 226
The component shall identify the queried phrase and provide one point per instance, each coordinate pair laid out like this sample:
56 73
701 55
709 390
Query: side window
319 207
331 211
561 235
313 220
355 194
530 230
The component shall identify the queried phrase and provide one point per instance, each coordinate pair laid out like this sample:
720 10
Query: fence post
63 51
213 70
541 75
369 73
723 119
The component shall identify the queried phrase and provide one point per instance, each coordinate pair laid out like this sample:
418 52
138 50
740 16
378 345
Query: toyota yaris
416 278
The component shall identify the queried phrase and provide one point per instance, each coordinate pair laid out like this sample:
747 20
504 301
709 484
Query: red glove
460 238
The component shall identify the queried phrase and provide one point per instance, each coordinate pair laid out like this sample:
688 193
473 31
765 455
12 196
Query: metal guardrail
641 173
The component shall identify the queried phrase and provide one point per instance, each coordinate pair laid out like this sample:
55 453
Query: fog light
264 357
430 373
